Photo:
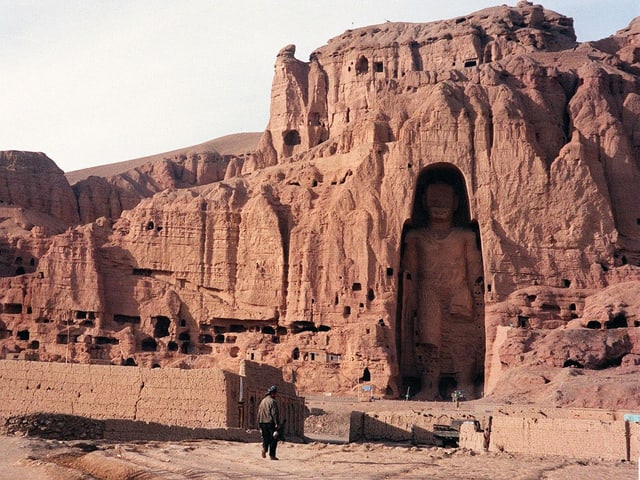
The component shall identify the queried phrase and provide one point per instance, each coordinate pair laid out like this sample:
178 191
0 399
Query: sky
93 82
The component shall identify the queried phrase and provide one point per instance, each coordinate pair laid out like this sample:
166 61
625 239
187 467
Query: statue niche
441 341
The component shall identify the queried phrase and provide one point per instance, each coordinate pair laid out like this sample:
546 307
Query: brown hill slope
234 144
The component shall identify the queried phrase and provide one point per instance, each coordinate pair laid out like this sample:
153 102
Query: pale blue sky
91 82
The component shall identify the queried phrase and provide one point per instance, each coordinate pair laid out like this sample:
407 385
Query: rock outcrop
297 254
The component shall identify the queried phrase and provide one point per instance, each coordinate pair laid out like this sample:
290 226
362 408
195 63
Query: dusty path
42 459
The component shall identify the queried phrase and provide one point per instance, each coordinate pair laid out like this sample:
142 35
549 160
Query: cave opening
440 328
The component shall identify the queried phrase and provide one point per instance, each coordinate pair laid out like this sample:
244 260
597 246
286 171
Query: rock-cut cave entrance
440 323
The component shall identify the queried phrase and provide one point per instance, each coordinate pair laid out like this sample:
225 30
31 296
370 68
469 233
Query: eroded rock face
109 197
297 255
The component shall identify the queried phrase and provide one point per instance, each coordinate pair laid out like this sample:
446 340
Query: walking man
269 421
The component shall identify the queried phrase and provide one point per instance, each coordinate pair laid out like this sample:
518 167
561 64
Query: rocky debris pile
54 426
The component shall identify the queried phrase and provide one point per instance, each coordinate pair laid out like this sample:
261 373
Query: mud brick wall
634 442
416 426
203 398
574 438
257 378
470 438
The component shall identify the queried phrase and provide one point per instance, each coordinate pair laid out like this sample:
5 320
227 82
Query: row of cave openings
364 67
19 265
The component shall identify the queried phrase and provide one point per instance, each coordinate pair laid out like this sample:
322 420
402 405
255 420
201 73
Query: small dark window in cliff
314 119
334 357
594 325
92 315
161 327
65 338
219 329
295 354
34 345
148 345
186 347
275 339
347 310
183 322
219 338
268 331
29 310
159 228
12 308
566 283
281 331
184 336
32 262
389 272
105 341
370 295
550 307
356 287
335 300
378 67
637 221
366 376
572 307
150 226
126 318
302 326
142 272
347 115
172 346
324 328
362 66
230 339
18 261
381 322
523 322
312 356
206 338
80 315
488 287
23 335
291 138
470 63
572 364
130 362
237 328
460 19
618 321
361 305
20 271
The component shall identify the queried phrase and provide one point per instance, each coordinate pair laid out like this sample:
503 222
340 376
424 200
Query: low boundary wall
158 403
573 433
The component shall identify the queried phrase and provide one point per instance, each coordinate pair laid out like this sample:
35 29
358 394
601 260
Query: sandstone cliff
297 254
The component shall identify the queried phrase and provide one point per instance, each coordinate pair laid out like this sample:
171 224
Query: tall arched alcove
440 324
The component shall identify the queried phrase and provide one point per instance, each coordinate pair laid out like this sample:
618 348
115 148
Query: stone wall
166 400
401 426
258 377
573 433
188 398
634 442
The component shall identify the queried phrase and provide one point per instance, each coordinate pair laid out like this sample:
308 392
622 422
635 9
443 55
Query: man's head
272 390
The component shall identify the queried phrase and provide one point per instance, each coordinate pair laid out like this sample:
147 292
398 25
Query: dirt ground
325 455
